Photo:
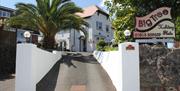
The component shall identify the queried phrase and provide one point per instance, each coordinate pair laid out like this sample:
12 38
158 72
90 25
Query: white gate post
24 68
129 67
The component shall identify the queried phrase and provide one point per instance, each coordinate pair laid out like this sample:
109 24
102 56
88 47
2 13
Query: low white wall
111 63
122 66
32 64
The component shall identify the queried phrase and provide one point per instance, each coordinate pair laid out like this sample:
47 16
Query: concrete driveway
76 72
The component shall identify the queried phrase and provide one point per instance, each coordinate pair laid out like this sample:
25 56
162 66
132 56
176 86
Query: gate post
129 67
24 68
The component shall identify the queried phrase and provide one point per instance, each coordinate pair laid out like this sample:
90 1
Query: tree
123 13
49 17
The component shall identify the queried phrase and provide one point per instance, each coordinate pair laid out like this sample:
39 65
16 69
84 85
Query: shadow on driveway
69 57
4 77
48 83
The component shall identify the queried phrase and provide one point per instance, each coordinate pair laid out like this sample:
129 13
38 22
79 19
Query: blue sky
81 3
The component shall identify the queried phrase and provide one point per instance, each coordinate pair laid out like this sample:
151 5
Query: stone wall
159 68
7 52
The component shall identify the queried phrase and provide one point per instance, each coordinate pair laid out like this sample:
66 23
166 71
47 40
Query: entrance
62 45
82 44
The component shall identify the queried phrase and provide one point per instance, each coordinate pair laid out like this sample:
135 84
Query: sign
154 40
130 47
155 25
162 30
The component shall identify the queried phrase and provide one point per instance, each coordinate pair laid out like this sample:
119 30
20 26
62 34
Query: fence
7 52
32 64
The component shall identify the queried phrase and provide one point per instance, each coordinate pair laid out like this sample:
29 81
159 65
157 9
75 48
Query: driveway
76 72
7 82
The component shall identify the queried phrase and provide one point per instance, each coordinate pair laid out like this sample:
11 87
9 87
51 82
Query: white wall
110 61
122 66
32 64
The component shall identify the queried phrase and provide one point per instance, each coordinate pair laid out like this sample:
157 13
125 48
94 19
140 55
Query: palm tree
49 17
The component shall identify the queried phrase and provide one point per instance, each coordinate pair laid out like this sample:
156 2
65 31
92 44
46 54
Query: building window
4 14
98 13
1 13
8 14
98 25
107 35
107 17
107 28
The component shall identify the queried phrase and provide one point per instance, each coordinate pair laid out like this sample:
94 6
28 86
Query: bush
100 45
109 48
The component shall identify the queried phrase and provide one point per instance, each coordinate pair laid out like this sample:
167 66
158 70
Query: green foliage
48 16
110 48
123 13
178 28
101 45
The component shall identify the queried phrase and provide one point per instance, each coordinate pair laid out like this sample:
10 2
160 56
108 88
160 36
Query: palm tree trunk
49 42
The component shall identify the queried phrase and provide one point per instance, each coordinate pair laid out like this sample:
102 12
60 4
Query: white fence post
24 70
129 67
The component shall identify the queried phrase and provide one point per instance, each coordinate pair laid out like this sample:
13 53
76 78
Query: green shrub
109 48
100 45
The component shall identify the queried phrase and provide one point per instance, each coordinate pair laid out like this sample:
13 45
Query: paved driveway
7 82
77 72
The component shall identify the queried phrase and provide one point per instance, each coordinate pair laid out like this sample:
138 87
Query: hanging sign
157 24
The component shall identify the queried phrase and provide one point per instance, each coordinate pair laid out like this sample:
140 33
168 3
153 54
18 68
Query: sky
81 3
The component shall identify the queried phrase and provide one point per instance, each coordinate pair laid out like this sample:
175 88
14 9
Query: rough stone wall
159 67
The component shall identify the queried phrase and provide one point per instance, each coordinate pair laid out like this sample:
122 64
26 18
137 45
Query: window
107 28
7 14
97 38
4 14
98 13
0 13
107 17
98 25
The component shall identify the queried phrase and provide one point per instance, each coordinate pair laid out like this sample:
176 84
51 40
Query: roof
6 9
91 10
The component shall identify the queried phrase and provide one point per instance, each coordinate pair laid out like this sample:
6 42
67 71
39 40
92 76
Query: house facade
6 13
99 27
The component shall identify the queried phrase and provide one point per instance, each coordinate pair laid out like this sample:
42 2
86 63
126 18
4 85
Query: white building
99 27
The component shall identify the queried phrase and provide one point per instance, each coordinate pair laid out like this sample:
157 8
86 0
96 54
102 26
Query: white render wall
122 66
32 64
